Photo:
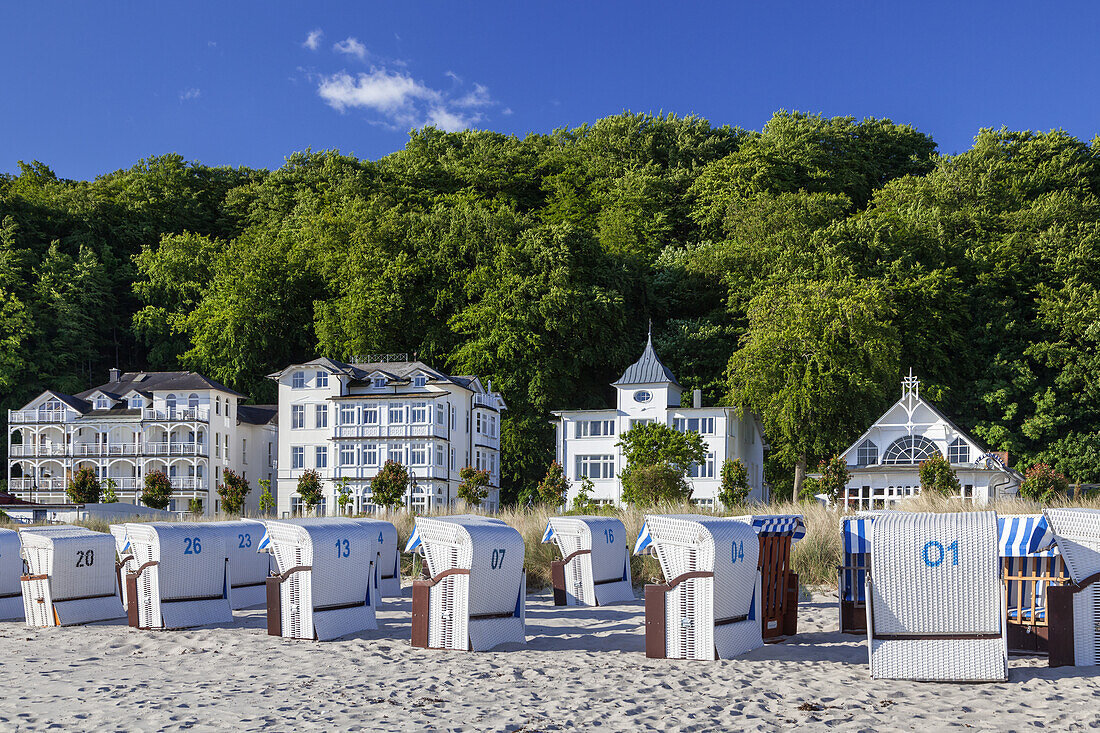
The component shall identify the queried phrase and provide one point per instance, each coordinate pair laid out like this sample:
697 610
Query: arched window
217 405
867 454
910 450
170 400
192 400
958 451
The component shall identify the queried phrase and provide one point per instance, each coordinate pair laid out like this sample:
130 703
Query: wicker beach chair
595 568
11 568
124 559
388 565
855 535
182 577
326 581
778 534
709 606
1030 565
935 605
248 568
69 576
474 597
1074 608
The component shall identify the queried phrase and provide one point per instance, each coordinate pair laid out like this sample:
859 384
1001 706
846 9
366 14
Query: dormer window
379 382
420 380
136 403
322 380
101 403
298 380
867 454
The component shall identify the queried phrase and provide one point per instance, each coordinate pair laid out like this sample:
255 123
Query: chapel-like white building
585 440
884 462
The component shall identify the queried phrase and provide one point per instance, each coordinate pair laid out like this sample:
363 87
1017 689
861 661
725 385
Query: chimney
116 375
697 398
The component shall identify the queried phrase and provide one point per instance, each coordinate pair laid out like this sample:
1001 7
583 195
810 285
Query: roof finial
910 386
649 338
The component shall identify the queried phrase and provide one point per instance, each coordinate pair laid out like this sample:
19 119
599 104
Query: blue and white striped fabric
857 557
772 525
414 541
641 547
1026 536
548 534
265 541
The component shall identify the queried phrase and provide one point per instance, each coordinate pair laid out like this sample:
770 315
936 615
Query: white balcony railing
484 400
175 449
42 484
45 450
424 430
192 414
36 416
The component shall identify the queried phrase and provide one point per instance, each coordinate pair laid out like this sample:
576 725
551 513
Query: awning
778 525
1025 535
856 534
641 547
264 542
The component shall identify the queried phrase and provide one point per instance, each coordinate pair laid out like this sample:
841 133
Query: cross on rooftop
910 385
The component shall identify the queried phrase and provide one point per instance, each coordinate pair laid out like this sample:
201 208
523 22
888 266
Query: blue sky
92 87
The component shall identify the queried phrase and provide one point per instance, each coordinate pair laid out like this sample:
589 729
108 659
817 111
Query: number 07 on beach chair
935 604
709 606
1073 609
70 576
594 569
474 597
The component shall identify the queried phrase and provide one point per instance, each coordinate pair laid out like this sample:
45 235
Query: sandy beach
582 668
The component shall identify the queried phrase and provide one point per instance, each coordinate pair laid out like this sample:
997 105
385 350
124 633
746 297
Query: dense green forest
798 271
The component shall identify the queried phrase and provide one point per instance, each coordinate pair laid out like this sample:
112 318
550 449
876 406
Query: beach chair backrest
80 563
490 549
385 535
936 574
190 558
241 540
1077 533
604 537
11 562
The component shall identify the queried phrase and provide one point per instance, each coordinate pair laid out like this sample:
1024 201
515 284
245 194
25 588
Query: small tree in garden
83 487
389 486
834 477
936 474
267 501
309 488
195 506
648 485
343 494
582 502
157 493
109 495
233 490
735 482
474 487
1042 483
553 489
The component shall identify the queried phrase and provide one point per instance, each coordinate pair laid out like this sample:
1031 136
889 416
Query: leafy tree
267 501
83 487
1043 484
937 475
647 444
656 484
582 502
388 488
157 493
195 506
343 494
474 487
309 488
109 495
834 477
554 488
734 487
233 490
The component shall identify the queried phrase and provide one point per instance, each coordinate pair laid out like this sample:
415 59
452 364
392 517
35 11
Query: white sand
582 668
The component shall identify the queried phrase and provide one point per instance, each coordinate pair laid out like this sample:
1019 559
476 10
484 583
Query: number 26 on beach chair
70 576
709 606
1073 609
594 569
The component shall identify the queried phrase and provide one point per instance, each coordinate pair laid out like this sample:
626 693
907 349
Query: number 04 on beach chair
594 569
70 576
935 604
1074 608
709 606
474 596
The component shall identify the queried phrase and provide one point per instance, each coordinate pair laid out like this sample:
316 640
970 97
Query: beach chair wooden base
853 617
1028 639
779 603
1071 606
557 580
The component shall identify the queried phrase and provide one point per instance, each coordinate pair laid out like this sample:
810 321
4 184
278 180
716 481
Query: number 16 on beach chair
70 576
935 604
594 569
709 606
1073 609
11 568
474 596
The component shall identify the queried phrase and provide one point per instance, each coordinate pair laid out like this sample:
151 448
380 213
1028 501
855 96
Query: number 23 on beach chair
594 569
70 576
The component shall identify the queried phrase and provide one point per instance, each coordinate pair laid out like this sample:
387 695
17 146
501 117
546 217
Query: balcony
182 414
484 400
175 449
36 416
424 430
34 451
42 484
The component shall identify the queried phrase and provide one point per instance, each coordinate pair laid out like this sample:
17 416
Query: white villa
884 462
347 420
648 392
182 423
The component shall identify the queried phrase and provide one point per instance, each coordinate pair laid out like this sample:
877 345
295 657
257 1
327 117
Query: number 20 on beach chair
70 576
594 569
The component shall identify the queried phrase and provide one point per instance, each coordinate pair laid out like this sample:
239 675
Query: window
217 445
396 454
477 421
704 469
452 465
642 395
298 380
440 415
958 451
297 456
397 414
418 454
370 415
170 402
594 428
270 447
370 454
703 425
347 455
227 446
321 456
379 382
420 380
217 405
595 467
297 416
136 403
320 416
492 426
347 414
452 418
910 450
419 412
439 454
642 421
228 407
244 450
867 454
322 380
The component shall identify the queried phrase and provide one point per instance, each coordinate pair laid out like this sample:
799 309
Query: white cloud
188 94
352 47
313 40
453 76
479 97
389 92
449 121
506 111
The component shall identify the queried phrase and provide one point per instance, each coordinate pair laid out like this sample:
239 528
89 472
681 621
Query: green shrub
83 487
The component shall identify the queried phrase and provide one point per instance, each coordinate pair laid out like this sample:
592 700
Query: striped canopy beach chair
1030 565
474 596
70 576
935 606
325 586
11 568
182 578
855 534
1074 608
709 606
778 534
595 568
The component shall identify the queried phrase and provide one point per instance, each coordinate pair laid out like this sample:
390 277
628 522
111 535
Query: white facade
884 463
585 440
181 423
346 420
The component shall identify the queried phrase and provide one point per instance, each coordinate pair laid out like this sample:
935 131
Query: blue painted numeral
609 535
192 545
245 540
934 553
738 552
343 548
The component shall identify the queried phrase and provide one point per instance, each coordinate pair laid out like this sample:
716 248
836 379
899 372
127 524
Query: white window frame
321 379
297 457
297 417
298 380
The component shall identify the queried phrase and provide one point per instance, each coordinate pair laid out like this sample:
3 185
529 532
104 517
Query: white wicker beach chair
70 576
326 582
248 568
709 606
474 599
778 534
595 568
1074 608
182 577
935 605
1030 566
11 568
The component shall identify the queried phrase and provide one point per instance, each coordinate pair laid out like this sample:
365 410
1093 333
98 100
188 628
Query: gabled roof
257 414
159 382
647 370
76 403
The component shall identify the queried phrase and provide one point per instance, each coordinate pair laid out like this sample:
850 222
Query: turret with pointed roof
649 369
